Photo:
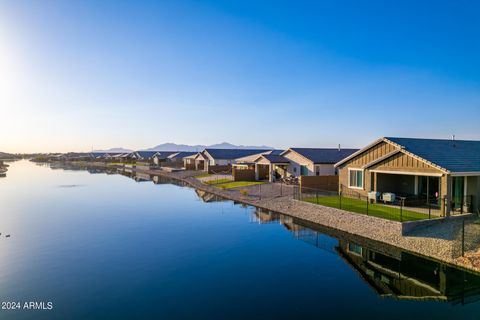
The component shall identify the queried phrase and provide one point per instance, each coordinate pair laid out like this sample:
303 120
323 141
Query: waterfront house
161 156
216 160
145 156
444 173
314 161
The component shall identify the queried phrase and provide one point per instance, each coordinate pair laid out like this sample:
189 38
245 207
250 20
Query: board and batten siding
398 162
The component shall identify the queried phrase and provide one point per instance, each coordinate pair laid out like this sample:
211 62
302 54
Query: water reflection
389 271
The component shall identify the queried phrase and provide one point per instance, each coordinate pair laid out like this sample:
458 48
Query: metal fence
467 238
398 208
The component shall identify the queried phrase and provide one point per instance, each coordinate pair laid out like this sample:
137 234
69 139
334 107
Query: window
355 179
355 248
295 169
317 170
303 170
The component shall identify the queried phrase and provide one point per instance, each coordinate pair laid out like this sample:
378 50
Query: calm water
104 246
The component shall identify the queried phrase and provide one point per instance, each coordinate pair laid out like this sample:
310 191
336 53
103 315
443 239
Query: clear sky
77 74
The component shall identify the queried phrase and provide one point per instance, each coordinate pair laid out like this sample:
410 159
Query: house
161 156
315 161
190 163
146 156
216 160
443 173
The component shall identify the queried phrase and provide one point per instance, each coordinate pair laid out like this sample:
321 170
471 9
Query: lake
111 246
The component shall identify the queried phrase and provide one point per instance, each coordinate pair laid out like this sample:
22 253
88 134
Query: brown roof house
442 173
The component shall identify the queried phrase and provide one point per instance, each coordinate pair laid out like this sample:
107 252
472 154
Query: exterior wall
325 170
402 162
399 162
296 161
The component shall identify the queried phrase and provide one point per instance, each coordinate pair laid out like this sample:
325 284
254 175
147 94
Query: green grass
203 175
218 181
237 184
360 206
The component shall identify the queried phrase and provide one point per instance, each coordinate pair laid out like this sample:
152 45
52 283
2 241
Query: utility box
373 196
388 197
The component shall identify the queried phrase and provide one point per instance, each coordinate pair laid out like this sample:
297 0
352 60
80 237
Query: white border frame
363 178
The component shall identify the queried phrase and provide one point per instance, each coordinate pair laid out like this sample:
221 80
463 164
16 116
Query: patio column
445 194
256 172
270 170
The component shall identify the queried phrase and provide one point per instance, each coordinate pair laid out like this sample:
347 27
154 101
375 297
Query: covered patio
271 167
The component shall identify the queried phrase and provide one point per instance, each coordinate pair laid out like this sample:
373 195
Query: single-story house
445 173
190 163
314 161
162 156
220 159
146 156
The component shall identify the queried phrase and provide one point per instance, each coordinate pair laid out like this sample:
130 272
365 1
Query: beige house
445 173
314 161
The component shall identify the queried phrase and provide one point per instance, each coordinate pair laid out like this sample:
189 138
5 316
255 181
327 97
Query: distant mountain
183 147
114 150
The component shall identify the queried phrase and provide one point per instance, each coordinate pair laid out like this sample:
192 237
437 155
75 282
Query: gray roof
324 155
452 155
273 158
231 154
181 155
162 155
146 154
277 152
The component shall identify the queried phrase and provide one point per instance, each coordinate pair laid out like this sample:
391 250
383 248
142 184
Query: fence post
340 198
316 195
401 210
429 210
367 205
463 237
260 191
461 205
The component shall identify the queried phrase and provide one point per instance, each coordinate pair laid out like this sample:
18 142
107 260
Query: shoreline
438 242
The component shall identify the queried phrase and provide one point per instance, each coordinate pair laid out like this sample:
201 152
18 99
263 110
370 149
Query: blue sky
78 74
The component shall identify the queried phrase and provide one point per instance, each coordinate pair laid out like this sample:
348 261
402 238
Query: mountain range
184 147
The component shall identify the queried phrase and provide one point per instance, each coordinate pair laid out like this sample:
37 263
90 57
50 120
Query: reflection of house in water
405 276
390 271
264 216
166 180
209 197
141 177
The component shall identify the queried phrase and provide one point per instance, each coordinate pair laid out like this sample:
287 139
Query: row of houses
431 169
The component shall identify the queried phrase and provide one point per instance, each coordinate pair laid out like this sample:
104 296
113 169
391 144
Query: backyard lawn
203 175
229 184
360 206
218 181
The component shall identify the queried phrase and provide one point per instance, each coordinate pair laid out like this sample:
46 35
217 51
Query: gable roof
181 154
162 155
323 155
274 158
451 155
146 154
231 154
